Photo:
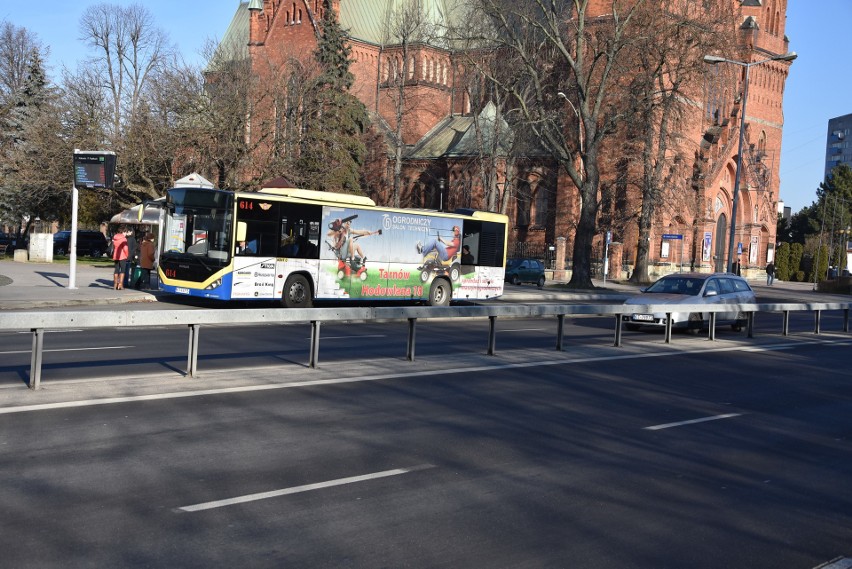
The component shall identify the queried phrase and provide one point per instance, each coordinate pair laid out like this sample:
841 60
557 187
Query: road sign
672 236
739 248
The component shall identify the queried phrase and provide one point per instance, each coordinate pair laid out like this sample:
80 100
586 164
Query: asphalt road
695 454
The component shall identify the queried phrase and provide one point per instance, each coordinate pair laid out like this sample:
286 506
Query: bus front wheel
297 292
440 293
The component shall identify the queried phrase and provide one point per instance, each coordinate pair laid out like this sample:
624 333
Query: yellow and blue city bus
297 246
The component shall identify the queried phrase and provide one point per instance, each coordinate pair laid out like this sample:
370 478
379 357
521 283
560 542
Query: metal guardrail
39 321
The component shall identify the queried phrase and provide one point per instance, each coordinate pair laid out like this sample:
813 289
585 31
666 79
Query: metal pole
35 358
315 340
192 355
72 243
739 173
412 336
560 331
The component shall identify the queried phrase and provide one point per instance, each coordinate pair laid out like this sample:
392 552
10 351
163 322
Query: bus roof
363 201
349 199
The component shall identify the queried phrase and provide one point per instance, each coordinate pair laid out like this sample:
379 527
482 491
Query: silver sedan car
692 288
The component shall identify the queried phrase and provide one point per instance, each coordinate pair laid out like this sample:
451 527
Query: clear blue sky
818 89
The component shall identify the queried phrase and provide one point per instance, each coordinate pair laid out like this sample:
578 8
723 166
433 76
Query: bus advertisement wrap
298 245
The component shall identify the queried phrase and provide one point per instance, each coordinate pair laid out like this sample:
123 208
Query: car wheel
738 325
60 251
440 293
541 281
97 253
515 280
297 292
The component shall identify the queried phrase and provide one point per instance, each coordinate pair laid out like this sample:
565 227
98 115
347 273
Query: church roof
459 136
368 20
234 44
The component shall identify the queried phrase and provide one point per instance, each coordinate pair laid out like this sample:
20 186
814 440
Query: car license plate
644 317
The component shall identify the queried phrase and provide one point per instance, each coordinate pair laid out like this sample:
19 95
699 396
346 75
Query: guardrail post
35 358
817 317
711 334
192 355
618 318
315 340
785 327
750 324
845 319
668 327
492 334
412 333
560 331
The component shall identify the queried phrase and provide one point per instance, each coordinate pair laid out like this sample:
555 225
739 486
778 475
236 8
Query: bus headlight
215 284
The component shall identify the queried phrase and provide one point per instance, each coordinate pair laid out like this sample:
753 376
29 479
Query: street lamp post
713 60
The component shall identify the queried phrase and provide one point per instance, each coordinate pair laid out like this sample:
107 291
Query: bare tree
130 49
666 58
407 32
559 47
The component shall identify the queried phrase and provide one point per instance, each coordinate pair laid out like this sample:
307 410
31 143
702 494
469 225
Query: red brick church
442 146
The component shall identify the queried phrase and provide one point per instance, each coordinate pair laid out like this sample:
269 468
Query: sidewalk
26 286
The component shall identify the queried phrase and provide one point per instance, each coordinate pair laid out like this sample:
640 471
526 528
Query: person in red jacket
120 253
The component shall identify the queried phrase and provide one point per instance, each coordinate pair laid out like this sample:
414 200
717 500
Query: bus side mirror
241 231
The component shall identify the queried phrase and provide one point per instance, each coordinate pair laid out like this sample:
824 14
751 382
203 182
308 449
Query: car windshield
677 285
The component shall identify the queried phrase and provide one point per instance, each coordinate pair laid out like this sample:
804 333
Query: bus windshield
198 225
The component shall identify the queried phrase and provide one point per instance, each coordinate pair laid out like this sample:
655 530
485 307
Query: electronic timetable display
94 169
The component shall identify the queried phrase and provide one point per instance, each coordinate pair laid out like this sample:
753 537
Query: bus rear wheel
440 293
297 292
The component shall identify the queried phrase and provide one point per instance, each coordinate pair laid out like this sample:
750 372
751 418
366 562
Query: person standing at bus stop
119 257
132 255
146 261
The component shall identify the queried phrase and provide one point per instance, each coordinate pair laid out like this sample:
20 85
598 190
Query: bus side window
260 239
486 240
300 231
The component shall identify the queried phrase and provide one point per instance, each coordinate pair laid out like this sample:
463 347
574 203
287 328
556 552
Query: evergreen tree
332 149
796 256
35 171
782 262
833 206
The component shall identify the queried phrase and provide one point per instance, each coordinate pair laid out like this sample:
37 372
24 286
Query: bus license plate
644 317
181 290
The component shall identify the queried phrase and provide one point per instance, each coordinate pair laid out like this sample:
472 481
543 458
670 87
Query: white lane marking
398 375
299 489
70 350
692 421
357 337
